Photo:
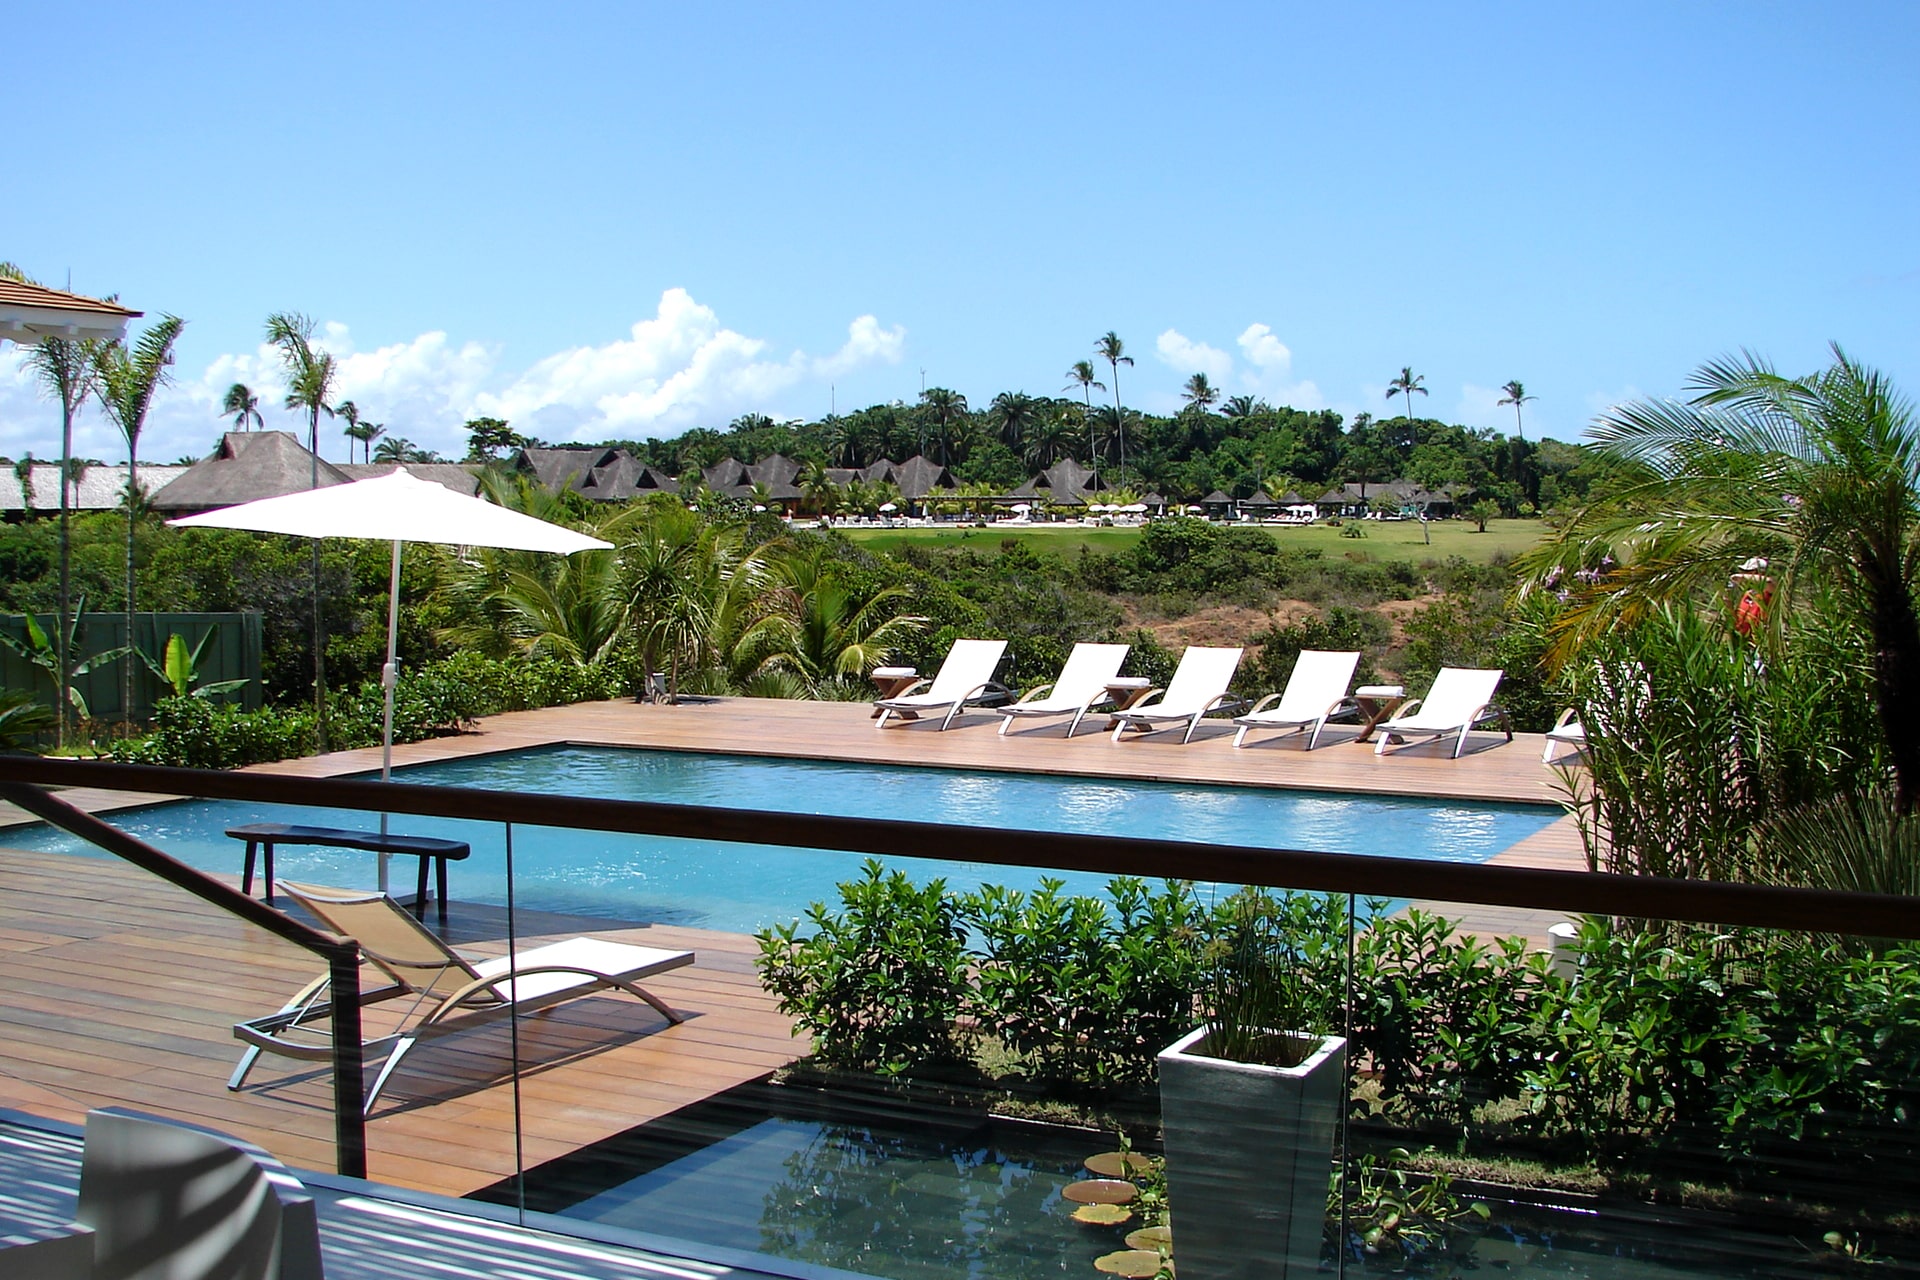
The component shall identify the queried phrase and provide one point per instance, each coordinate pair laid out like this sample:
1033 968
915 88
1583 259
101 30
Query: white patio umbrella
397 508
1134 508
888 506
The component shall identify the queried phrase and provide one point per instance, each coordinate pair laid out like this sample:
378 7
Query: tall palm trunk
133 515
62 696
319 628
1896 675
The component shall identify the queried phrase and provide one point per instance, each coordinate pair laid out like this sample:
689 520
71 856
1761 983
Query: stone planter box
1249 1156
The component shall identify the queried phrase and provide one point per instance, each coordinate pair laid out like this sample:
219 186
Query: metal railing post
349 1080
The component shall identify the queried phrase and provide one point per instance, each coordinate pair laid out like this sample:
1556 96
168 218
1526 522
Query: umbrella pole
389 676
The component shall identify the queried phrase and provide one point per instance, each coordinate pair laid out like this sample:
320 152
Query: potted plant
1249 1103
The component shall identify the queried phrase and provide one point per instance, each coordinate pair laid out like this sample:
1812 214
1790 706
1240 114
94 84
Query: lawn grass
1385 540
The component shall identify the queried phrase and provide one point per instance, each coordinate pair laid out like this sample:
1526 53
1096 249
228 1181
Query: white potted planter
1249 1104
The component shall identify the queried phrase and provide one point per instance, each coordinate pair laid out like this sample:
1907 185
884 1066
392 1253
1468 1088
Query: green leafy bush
431 701
880 983
1089 990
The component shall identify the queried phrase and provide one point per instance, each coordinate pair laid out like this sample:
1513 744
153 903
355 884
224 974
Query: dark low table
268 834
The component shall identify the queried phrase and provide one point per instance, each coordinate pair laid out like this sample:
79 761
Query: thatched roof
1259 499
98 489
246 466
919 476
463 478
773 470
563 468
724 474
1216 499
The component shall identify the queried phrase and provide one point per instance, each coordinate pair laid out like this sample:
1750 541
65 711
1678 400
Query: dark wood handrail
1574 892
341 954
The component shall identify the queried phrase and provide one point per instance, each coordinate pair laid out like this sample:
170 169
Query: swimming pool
741 888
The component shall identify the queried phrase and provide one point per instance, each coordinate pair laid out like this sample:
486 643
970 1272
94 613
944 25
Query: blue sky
627 219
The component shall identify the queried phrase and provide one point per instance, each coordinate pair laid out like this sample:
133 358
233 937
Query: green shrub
1089 994
881 982
434 700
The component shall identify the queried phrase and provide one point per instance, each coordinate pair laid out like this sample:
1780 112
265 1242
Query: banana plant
180 669
43 653
23 722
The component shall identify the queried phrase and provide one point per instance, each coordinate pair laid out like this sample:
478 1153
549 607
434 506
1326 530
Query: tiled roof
20 293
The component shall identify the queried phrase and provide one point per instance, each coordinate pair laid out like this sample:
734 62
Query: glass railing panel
1620 1098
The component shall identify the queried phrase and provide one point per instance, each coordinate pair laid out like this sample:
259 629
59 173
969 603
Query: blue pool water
740 888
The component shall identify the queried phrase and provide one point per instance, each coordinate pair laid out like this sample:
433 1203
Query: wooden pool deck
117 989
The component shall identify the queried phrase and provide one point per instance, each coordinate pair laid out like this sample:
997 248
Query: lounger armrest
1342 705
922 683
1223 702
981 690
1566 718
1405 712
1038 691
1492 711
1263 704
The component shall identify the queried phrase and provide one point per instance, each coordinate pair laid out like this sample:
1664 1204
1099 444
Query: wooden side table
1376 703
1126 692
891 683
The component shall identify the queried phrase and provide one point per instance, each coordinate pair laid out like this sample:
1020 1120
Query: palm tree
820 629
350 411
1051 439
369 432
523 603
1013 414
1517 396
309 384
947 412
1820 475
1405 385
393 449
1082 374
66 369
1113 351
1199 393
244 406
127 380
1242 407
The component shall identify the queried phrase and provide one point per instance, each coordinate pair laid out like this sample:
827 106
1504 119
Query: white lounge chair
448 992
1316 689
1461 698
1199 685
966 676
1568 730
1082 683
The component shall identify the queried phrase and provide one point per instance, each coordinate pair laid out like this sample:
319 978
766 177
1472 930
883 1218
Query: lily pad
1118 1164
1156 1238
1102 1215
1100 1191
1139 1264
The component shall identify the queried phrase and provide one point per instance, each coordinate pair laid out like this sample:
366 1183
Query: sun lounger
1082 683
965 677
1568 730
449 992
1461 698
1316 690
1199 685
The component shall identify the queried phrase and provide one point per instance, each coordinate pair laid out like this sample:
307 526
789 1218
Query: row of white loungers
1461 698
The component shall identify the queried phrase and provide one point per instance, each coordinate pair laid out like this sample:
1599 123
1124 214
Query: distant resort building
30 489
267 464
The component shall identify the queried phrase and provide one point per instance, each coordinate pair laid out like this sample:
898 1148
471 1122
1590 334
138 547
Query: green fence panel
232 654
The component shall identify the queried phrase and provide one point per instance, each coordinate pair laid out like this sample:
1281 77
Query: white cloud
1177 351
676 369
1264 351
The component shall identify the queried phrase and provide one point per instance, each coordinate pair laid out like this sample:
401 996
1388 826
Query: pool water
742 888
910 1192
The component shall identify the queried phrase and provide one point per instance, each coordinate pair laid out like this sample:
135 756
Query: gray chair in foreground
48 1253
170 1201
